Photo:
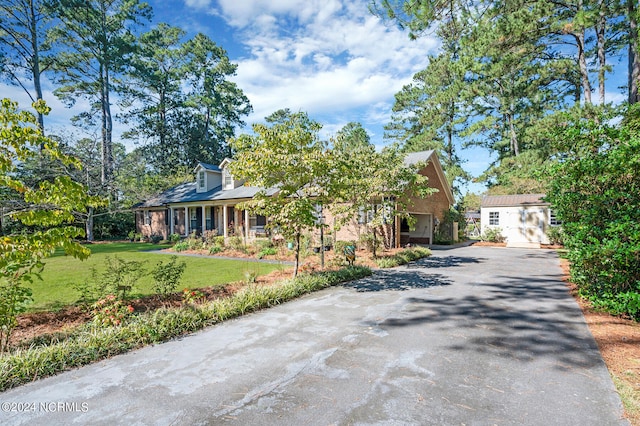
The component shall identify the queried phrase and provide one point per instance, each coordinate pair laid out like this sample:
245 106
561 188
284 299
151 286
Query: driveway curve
473 335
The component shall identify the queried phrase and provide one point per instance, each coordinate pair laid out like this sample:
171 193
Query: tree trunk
601 27
513 137
108 133
297 261
162 111
321 245
584 70
634 60
89 224
36 61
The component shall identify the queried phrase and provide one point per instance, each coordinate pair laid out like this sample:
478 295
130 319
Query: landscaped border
89 343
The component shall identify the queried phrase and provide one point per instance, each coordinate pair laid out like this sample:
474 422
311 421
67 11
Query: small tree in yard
167 276
375 185
45 210
289 161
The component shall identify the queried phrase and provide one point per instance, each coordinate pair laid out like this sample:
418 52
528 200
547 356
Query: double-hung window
494 218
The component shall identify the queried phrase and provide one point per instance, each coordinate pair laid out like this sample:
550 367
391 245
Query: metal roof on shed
513 200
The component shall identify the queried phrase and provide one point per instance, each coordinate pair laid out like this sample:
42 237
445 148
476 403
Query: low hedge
403 257
89 343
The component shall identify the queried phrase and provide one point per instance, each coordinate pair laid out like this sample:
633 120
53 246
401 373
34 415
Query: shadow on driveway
447 261
398 280
517 318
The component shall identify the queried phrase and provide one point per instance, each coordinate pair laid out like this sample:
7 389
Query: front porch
225 220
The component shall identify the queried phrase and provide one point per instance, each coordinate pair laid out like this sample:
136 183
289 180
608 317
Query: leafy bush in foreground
48 356
595 191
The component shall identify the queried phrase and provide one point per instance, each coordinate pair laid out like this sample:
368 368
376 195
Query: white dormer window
228 179
201 179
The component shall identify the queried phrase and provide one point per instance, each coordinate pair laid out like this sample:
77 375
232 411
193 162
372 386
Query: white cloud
198 4
328 58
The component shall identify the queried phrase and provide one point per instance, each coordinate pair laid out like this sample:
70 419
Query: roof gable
431 159
207 167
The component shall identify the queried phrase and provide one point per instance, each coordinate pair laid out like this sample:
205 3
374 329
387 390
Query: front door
531 225
196 220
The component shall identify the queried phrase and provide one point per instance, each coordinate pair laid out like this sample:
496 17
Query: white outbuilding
523 219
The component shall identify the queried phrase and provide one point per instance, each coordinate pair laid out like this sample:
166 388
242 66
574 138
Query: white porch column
246 225
225 230
204 219
172 220
186 221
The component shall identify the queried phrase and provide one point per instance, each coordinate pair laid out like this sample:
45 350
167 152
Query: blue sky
330 58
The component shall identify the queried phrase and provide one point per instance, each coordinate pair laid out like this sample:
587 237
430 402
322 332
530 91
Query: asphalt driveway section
474 335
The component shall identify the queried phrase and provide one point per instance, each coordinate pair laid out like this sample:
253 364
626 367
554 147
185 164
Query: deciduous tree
45 209
288 161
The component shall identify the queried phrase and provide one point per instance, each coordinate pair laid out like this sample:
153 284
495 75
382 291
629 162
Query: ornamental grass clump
403 257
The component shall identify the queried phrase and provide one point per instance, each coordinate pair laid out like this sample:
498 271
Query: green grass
55 290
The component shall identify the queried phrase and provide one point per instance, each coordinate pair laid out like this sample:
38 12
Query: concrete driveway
472 335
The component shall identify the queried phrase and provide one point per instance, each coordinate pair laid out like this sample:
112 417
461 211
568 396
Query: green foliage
267 251
119 276
555 235
54 290
45 209
368 242
374 185
289 161
403 257
595 192
190 243
191 296
181 246
167 275
189 108
215 249
492 235
113 225
174 238
155 239
110 311
263 243
14 299
236 243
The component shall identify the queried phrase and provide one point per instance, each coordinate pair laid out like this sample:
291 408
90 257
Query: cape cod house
209 204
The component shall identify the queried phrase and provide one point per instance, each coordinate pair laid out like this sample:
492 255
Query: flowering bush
110 311
192 296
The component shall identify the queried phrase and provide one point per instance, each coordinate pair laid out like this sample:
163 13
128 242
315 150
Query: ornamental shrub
167 275
595 191
492 235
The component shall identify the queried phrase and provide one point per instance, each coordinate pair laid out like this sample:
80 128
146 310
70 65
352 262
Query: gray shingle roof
186 193
512 200
210 166
417 157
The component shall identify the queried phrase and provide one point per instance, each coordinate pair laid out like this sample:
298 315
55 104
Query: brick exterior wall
155 226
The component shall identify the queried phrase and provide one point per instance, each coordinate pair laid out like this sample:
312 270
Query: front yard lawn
55 290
